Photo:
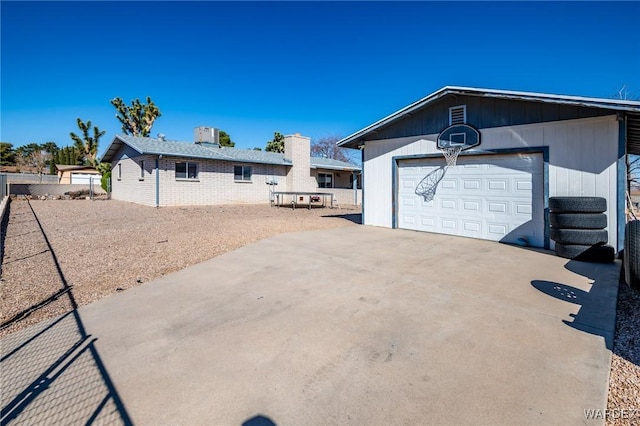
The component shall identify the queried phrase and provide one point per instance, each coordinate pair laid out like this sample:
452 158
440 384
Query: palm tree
87 145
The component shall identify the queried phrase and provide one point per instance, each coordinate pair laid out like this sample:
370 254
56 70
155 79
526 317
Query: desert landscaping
107 246
104 247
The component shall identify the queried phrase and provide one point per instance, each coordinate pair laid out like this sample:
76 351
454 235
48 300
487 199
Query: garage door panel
410 184
494 197
448 185
499 185
471 184
448 203
473 207
449 224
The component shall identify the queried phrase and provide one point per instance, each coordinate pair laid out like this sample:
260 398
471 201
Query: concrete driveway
360 325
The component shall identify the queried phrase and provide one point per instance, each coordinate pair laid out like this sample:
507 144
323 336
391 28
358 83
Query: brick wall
215 183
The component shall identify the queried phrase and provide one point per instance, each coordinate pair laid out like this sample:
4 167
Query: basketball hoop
451 154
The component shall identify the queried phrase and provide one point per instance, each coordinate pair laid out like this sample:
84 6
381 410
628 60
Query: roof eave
337 168
118 142
114 146
355 140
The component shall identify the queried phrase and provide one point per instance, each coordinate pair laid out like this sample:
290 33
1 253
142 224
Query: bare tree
633 170
35 160
633 161
326 147
623 93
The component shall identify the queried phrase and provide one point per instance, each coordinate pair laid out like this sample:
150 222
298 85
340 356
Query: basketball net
451 154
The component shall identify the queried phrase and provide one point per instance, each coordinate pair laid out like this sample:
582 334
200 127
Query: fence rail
30 178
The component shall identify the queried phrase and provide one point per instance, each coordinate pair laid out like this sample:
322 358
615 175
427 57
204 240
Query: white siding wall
582 161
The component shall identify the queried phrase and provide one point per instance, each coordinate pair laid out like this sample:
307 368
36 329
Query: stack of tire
631 254
578 227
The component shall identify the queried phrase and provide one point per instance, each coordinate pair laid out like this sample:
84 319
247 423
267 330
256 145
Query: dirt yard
104 247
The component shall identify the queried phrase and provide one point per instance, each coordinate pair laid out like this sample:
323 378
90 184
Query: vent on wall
458 115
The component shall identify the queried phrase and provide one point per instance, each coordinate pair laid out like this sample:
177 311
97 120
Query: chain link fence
51 372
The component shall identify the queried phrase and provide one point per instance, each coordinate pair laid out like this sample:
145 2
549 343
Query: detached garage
517 149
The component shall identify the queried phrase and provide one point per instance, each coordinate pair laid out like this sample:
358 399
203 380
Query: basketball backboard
458 135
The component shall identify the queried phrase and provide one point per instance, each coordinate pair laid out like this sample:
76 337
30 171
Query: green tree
105 171
69 155
7 154
138 118
225 140
87 144
276 144
52 149
257 148
26 150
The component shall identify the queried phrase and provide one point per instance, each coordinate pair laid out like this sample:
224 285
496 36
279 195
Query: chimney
297 149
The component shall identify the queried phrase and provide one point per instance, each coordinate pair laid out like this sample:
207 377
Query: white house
159 172
532 146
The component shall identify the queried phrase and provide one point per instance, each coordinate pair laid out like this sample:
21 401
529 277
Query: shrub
105 180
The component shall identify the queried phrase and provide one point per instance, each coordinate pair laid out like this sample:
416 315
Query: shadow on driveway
351 217
51 373
597 313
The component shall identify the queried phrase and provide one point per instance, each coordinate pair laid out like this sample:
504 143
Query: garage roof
629 109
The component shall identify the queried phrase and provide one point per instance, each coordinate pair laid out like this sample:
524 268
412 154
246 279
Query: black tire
631 256
578 204
583 237
578 220
598 253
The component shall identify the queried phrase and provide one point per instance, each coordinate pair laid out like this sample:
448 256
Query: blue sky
317 68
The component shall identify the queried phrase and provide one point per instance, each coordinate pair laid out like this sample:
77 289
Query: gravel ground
104 247
624 382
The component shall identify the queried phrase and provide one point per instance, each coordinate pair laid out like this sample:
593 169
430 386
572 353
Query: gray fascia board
611 104
117 141
339 168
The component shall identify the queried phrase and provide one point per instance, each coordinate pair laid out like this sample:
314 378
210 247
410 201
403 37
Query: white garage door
85 178
491 197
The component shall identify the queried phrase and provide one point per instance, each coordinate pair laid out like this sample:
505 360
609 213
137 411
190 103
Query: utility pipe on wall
158 180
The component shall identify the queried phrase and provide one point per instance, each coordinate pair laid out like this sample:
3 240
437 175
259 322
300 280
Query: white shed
532 146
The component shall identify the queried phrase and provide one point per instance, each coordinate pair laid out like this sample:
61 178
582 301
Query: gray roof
631 108
152 146
330 163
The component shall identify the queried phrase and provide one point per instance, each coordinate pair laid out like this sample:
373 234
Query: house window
458 115
325 180
141 169
242 173
119 171
186 170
